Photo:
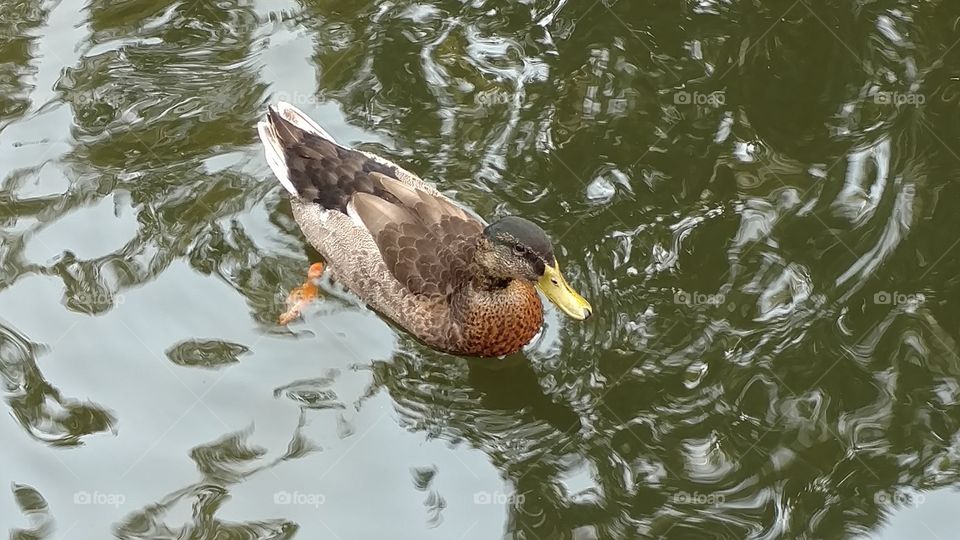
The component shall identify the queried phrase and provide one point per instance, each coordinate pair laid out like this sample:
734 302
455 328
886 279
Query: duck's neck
497 317
481 282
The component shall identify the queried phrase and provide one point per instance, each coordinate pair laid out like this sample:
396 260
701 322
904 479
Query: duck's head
515 248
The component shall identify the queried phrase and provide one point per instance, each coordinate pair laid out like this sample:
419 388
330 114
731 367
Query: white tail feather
297 117
273 150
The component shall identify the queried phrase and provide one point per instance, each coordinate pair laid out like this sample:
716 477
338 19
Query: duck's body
404 248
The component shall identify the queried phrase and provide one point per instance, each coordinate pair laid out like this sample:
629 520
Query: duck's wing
426 241
313 166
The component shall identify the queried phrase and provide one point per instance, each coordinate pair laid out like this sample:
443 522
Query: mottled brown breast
501 322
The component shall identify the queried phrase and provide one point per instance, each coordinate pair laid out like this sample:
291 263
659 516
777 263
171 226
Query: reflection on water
33 505
38 406
221 463
757 200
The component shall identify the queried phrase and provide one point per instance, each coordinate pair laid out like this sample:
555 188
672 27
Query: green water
759 199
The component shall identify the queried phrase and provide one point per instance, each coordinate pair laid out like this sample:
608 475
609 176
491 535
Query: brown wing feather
430 207
426 242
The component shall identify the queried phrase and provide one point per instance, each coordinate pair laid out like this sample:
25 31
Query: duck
436 269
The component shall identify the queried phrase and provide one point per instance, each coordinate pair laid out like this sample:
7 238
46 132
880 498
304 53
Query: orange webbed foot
301 296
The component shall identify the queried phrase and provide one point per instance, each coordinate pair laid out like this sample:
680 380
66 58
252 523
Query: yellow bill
558 291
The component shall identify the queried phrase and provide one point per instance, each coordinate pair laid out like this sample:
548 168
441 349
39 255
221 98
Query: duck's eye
518 249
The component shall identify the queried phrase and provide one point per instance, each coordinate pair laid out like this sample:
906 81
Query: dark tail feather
312 166
288 133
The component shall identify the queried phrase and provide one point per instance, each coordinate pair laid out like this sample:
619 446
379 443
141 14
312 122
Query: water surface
759 199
